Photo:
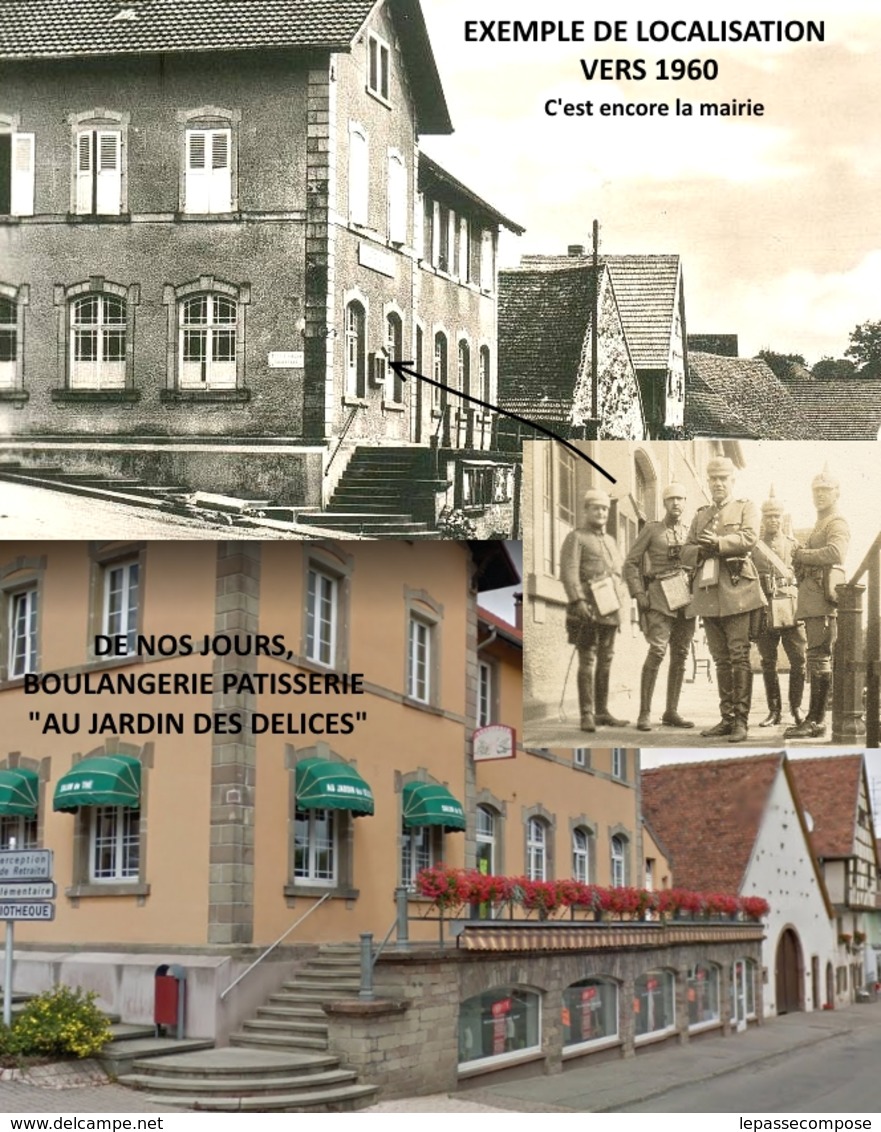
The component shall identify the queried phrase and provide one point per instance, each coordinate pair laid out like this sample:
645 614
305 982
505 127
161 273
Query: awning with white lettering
19 792
325 785
106 780
429 803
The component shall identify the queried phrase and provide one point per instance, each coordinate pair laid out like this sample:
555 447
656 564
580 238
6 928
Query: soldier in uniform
726 591
655 576
826 548
773 558
590 570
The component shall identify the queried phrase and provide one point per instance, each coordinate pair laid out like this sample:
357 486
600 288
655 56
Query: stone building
216 234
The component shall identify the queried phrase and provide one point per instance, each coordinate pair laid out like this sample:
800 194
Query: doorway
789 972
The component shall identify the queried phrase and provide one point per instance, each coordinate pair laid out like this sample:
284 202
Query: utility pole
594 327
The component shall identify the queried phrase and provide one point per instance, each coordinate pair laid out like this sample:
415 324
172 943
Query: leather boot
646 691
796 691
671 716
742 683
586 696
726 725
603 718
774 698
814 727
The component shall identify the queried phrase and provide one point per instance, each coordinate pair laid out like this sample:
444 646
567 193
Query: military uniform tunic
655 556
827 545
775 585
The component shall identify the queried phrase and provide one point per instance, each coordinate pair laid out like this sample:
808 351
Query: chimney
518 611
575 249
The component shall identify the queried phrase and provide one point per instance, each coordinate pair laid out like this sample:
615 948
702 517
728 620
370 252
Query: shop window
653 1004
315 846
702 994
114 843
590 1012
498 1025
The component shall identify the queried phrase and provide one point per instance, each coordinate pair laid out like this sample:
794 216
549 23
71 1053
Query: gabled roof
829 790
709 414
443 186
544 314
708 816
47 29
647 290
503 628
839 410
756 400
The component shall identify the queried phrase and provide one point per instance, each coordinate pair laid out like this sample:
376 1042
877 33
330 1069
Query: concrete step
346 1098
324 982
348 960
285 1026
303 1010
299 994
118 1057
276 1041
218 1064
129 1031
242 1086
292 1017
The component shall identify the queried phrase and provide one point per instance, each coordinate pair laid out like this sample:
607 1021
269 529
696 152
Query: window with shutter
397 199
208 187
99 172
359 176
16 174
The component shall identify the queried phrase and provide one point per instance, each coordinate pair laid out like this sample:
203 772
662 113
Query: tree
834 369
783 365
865 348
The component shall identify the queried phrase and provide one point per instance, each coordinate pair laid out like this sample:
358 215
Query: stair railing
369 957
856 686
273 946
345 429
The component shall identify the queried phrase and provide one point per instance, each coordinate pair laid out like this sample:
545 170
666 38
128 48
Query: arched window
498 1025
536 849
439 396
653 1003
619 862
9 339
487 850
464 367
394 337
590 1012
356 353
97 341
208 334
485 381
702 993
581 855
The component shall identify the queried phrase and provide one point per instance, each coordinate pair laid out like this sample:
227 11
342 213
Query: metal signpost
26 893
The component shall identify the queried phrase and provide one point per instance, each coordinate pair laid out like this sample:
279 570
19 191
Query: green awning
428 803
19 792
107 780
325 785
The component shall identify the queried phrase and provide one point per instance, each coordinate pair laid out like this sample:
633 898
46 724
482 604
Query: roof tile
829 790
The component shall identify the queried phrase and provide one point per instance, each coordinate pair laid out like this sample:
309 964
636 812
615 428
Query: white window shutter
464 250
22 187
108 173
197 191
359 175
486 260
84 172
221 173
397 200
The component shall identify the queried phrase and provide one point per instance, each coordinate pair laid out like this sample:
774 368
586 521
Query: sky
777 219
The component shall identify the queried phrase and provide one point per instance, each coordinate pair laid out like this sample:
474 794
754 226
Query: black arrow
403 374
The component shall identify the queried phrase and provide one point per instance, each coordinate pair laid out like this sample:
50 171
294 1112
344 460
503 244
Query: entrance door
788 970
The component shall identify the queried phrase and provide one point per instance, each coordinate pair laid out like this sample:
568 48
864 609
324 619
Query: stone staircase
279 1060
383 493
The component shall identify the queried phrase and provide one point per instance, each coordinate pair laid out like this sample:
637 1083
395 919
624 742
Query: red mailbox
169 997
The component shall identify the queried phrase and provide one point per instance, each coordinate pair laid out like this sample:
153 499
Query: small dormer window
378 56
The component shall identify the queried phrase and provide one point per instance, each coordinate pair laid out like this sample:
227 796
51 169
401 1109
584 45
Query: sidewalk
612 1085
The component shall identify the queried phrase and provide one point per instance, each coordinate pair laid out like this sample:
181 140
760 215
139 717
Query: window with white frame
536 849
315 846
359 175
438 395
356 352
114 843
22 632
322 617
499 1025
464 366
486 841
581 756
590 1012
98 172
484 374
487 260
417 851
208 170
208 341
9 342
16 173
378 65
122 602
443 219
397 199
463 257
394 338
18 832
619 763
619 862
98 332
654 1007
580 855
702 994
484 694
419 660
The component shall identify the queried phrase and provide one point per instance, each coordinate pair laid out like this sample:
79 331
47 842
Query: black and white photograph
700 593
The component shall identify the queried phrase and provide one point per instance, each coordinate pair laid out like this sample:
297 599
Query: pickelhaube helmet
825 479
772 506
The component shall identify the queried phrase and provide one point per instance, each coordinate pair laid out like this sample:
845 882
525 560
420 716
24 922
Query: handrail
273 946
388 934
867 561
343 435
